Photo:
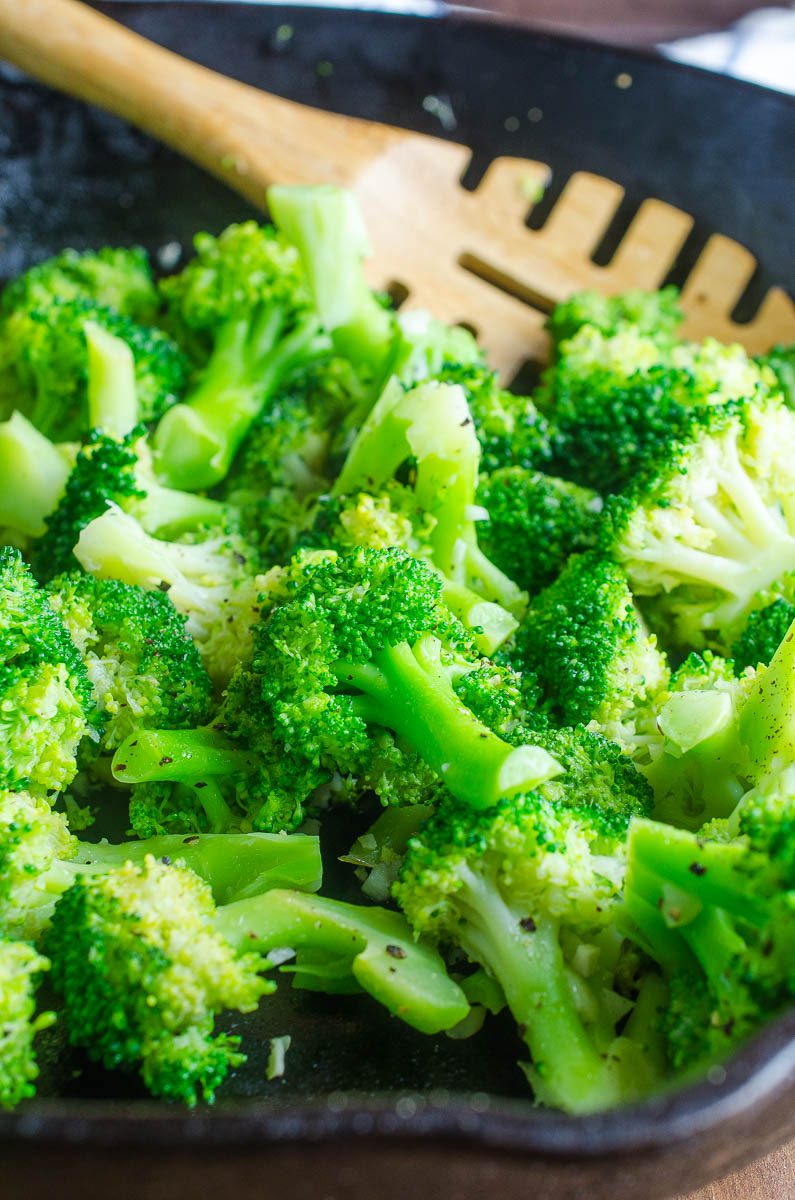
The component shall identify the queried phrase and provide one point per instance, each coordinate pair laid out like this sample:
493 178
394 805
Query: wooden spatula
466 256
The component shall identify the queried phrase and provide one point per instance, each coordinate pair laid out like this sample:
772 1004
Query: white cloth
759 48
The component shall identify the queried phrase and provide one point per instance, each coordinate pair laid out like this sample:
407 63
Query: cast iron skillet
367 1106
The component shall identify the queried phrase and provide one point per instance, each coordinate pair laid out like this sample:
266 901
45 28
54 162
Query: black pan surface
364 1100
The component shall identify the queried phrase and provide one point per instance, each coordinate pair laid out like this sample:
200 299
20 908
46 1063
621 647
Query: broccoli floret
212 580
781 361
656 313
706 530
427 346
243 307
325 225
510 429
429 428
529 891
116 278
20 967
717 915
110 471
145 670
762 634
720 735
40 859
47 351
615 399
359 641
33 474
587 644
46 699
535 522
142 973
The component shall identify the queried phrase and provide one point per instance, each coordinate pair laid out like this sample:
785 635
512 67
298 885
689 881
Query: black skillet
366 1106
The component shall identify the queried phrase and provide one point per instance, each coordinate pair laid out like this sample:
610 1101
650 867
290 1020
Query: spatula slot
605 249
398 293
519 289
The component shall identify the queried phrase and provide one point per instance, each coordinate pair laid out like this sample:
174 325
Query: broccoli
111 471
243 306
654 313
781 361
430 427
142 973
145 670
535 522
762 635
40 859
587 644
717 915
20 967
48 352
33 474
46 699
720 735
211 579
360 641
706 530
120 279
426 346
325 225
529 890
614 399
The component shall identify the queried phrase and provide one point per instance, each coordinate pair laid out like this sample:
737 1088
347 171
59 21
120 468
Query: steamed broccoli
47 351
358 642
706 530
718 915
654 313
762 634
781 361
211 578
33 474
110 471
20 967
243 307
528 890
535 522
588 646
46 699
120 279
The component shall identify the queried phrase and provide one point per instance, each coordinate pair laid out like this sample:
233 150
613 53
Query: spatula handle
245 136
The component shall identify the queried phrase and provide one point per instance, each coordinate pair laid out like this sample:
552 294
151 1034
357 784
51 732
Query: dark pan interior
71 175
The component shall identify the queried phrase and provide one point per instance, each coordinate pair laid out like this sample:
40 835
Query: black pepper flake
165 860
165 760
528 924
163 586
190 841
239 558
119 767
697 869
200 783
396 951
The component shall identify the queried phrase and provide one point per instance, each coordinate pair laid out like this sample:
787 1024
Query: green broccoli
427 347
110 471
535 522
243 308
359 641
654 313
588 646
717 915
120 279
48 352
46 698
781 361
145 670
20 967
211 578
33 474
762 635
40 858
706 531
529 891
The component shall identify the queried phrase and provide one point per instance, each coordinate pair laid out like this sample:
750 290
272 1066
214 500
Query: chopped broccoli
781 361
20 967
654 313
762 635
528 890
706 530
116 278
535 522
243 307
33 474
587 644
427 346
47 352
46 699
212 580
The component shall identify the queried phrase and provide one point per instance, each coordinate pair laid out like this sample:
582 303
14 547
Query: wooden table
772 1178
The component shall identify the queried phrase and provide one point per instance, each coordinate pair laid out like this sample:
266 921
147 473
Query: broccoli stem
235 865
183 755
490 624
33 473
767 718
409 690
197 440
407 977
112 397
165 510
524 956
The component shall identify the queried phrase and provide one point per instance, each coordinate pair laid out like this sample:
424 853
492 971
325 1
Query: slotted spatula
467 256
